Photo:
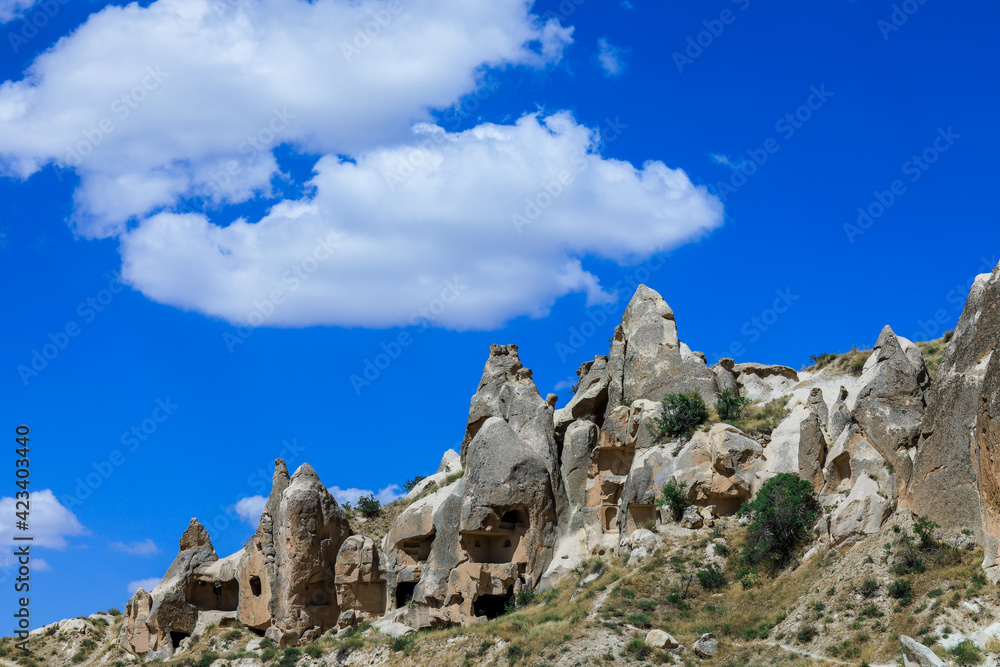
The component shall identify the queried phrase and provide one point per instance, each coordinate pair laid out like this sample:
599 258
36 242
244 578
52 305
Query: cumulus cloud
462 230
146 547
611 58
145 584
249 509
187 98
384 496
12 9
49 523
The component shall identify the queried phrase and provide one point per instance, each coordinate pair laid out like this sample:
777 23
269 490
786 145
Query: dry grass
377 527
762 419
853 361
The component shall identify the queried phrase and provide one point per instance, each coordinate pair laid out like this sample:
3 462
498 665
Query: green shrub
289 657
711 577
901 590
639 619
782 516
729 405
868 588
207 658
806 634
313 650
966 653
402 644
369 506
682 414
675 497
924 528
233 634
411 483
639 648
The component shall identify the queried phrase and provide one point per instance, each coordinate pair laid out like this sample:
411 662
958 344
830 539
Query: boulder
916 654
706 646
944 484
647 359
691 518
661 640
391 629
860 515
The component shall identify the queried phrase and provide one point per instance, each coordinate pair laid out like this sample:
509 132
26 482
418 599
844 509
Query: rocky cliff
544 489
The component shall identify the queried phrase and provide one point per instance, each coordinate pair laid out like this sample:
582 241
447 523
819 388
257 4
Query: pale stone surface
861 514
706 646
916 654
660 639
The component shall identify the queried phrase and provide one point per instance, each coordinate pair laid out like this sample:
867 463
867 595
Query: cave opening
490 606
404 593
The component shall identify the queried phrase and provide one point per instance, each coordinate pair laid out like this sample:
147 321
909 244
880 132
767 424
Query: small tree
369 506
782 515
675 497
411 483
682 414
924 528
729 405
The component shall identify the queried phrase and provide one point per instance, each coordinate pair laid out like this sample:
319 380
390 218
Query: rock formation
535 490
944 484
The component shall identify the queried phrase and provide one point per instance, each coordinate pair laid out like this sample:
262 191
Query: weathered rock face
944 484
282 581
889 403
812 451
506 390
308 529
760 382
591 398
360 579
916 654
987 457
647 360
157 622
860 515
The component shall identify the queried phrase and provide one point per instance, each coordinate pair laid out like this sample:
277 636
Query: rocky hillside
601 532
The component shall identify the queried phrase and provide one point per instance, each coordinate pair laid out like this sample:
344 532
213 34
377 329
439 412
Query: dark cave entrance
404 593
177 637
490 606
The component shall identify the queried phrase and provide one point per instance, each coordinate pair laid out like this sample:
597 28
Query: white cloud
48 522
484 209
249 509
145 548
732 163
611 58
12 9
151 104
384 496
145 584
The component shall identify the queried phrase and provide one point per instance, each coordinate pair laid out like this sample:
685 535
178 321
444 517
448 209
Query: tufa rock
647 360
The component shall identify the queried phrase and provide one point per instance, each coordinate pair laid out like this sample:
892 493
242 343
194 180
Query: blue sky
216 212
